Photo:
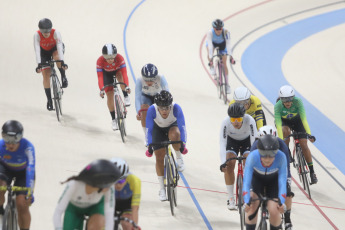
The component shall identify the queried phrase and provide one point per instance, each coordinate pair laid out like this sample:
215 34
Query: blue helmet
149 72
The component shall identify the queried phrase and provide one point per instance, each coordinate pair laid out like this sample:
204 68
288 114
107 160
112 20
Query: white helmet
241 94
286 91
267 129
122 165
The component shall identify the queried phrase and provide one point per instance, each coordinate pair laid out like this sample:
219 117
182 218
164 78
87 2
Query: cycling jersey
142 89
47 44
281 112
132 189
175 115
119 64
22 159
283 147
254 166
75 194
255 110
222 40
248 129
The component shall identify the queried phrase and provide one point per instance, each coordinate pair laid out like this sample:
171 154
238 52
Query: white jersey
59 46
160 121
248 128
75 193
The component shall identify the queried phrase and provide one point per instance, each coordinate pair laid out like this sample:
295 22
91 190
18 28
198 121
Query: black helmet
236 110
12 131
100 174
268 145
218 24
109 51
149 72
45 25
163 98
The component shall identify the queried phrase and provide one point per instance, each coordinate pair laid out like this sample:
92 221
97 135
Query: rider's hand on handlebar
128 90
149 152
282 208
38 68
64 66
232 60
210 63
222 167
139 117
312 138
101 94
183 149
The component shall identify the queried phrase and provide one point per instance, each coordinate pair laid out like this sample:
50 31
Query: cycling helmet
268 145
163 98
109 51
236 110
149 72
100 174
12 131
218 24
242 94
267 129
122 165
45 25
286 93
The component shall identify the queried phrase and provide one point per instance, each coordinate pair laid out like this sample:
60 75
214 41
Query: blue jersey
283 147
254 165
22 159
153 117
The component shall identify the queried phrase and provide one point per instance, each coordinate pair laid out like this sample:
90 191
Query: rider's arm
252 128
109 208
284 148
62 205
282 175
99 68
59 46
210 44
122 68
223 137
150 116
228 42
178 113
164 83
278 118
302 114
30 168
135 186
138 91
37 47
259 113
248 175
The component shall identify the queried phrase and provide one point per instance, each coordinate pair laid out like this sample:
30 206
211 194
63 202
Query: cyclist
237 134
108 65
251 103
91 193
219 37
165 121
289 114
17 159
48 44
265 168
146 88
127 193
267 129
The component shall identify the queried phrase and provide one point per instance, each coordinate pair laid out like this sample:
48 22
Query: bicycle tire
306 181
240 200
10 221
55 98
219 83
169 183
175 179
220 80
119 118
59 93
225 97
123 112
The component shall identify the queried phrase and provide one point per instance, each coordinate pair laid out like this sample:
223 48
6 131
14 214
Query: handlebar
165 143
128 220
114 85
141 110
50 63
296 135
240 159
261 199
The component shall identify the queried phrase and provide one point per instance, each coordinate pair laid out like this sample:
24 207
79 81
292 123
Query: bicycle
221 78
264 212
10 218
239 185
118 219
56 85
300 163
171 175
120 108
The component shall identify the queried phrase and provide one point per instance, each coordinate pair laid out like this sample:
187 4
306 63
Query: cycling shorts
108 78
74 216
46 55
6 173
270 182
160 134
296 125
123 206
235 146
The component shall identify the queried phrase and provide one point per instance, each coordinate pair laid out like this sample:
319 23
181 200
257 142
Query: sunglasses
245 102
11 139
45 31
149 79
286 99
238 119
218 29
121 181
164 108
109 57
268 153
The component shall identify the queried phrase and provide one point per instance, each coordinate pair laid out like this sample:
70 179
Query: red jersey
118 65
49 42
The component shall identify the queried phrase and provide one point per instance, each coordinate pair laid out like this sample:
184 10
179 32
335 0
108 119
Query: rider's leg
110 103
174 135
307 154
119 78
253 206
24 217
61 70
229 175
286 132
96 221
275 216
126 225
160 154
2 197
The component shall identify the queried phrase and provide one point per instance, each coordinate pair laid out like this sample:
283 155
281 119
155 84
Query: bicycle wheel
56 97
224 86
170 186
306 181
240 199
220 81
119 118
175 177
9 219
59 94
